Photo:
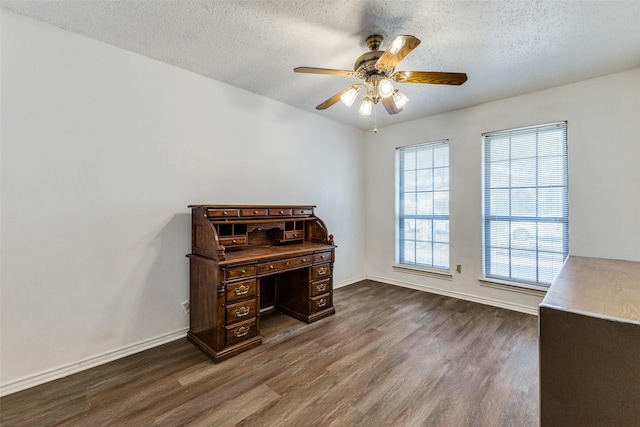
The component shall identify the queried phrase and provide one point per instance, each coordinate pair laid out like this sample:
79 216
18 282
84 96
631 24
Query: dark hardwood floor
389 357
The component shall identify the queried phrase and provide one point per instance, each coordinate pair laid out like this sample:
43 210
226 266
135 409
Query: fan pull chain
375 118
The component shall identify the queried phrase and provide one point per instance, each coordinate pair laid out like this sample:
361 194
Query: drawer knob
287 263
242 311
255 212
322 271
241 290
243 270
224 213
241 331
271 267
321 287
235 241
304 260
281 212
322 302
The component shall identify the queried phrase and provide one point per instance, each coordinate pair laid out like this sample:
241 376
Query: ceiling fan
377 70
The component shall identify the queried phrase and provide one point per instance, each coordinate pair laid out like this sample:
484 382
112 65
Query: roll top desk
249 260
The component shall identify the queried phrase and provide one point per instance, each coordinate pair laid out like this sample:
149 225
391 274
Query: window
423 205
526 213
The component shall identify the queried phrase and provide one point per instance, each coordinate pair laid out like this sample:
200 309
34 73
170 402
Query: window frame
537 219
402 263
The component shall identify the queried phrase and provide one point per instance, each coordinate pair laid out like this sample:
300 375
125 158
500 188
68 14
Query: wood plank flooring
389 357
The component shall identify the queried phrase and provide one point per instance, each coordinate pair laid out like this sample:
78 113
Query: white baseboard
348 282
460 295
72 368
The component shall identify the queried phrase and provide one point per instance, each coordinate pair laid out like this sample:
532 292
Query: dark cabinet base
307 318
589 324
227 352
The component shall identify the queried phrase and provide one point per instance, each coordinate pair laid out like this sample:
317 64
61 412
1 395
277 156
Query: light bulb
366 107
385 88
349 96
399 98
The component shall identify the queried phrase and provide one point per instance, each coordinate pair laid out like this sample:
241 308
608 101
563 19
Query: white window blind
423 205
526 213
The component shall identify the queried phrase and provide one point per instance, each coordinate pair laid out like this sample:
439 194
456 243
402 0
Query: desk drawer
280 212
320 287
241 311
293 235
320 303
240 272
322 257
222 213
241 331
253 212
305 212
320 271
241 290
285 264
233 241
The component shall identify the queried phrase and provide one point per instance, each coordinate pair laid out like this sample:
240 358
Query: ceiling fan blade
335 98
430 77
314 70
399 48
390 105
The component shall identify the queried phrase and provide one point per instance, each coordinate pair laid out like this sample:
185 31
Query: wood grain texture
600 287
389 357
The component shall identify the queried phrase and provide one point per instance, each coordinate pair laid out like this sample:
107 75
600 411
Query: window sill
523 288
422 271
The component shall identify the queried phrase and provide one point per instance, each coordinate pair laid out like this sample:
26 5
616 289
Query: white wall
102 151
603 117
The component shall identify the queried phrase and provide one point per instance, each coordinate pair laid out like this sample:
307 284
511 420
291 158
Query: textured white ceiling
506 48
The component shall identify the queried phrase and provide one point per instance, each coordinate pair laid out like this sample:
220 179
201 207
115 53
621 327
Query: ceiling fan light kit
385 88
377 70
349 96
366 107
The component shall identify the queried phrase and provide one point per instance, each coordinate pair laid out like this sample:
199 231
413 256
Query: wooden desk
590 345
252 259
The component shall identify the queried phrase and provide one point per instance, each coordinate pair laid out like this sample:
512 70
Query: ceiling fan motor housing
365 65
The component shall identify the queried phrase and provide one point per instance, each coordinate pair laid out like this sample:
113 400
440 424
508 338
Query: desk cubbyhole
294 225
225 230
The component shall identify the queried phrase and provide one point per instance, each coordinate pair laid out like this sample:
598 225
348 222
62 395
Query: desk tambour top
598 287
237 233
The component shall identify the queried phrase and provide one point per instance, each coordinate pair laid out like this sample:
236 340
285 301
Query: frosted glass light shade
348 97
400 98
366 107
385 88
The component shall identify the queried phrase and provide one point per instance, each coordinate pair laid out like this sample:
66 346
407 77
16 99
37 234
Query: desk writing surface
266 252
